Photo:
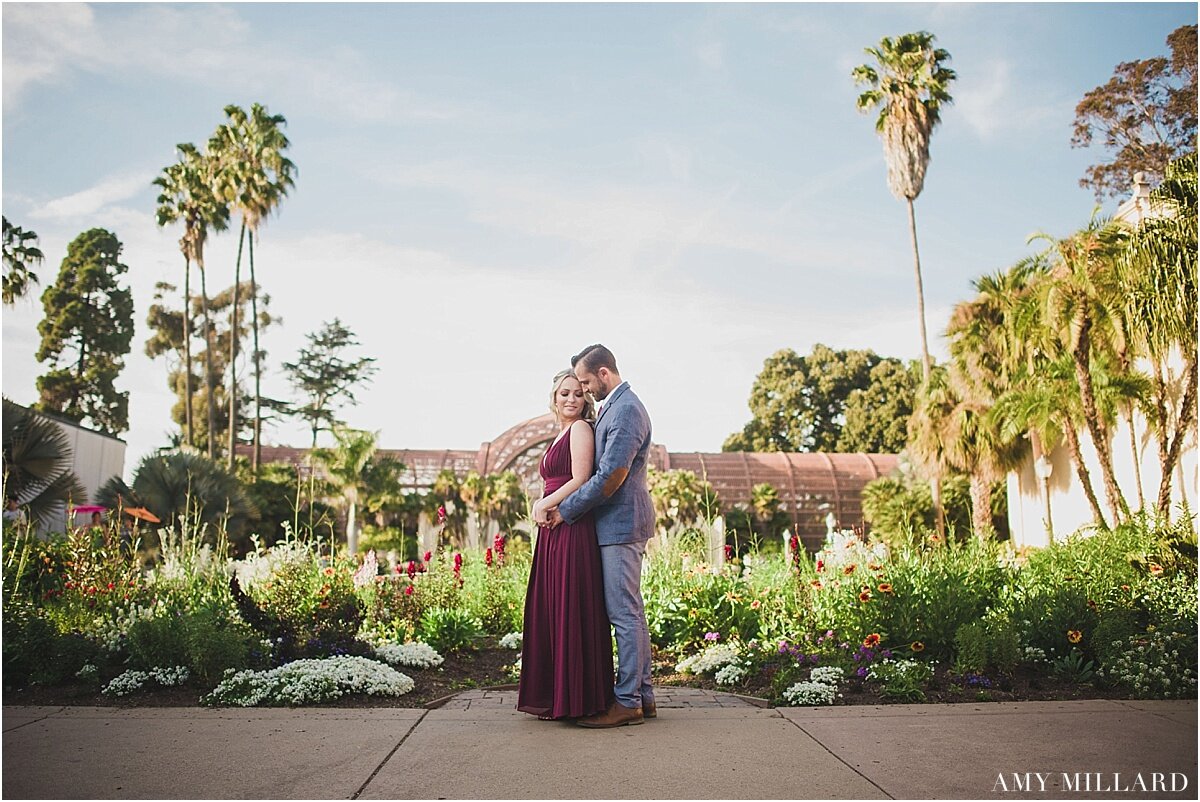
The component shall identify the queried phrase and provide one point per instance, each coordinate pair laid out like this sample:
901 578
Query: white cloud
200 43
989 99
89 202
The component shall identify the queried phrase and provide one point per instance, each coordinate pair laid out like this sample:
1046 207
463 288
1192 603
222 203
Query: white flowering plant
305 682
828 675
131 681
1157 665
811 694
711 660
512 640
901 680
413 654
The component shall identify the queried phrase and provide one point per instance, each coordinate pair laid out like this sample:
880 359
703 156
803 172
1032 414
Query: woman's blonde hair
589 404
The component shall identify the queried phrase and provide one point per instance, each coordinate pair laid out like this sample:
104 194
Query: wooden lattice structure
810 486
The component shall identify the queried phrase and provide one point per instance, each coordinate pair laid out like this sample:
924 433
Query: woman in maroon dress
566 660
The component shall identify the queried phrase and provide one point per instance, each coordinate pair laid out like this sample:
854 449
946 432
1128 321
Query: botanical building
811 486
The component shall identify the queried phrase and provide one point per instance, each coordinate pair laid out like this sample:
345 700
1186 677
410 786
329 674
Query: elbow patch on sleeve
615 481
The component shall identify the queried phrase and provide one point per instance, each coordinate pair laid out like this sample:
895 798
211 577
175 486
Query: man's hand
554 518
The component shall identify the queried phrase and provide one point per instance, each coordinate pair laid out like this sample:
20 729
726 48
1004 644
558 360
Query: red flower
871 641
885 587
398 570
728 552
428 556
408 591
865 596
816 583
849 569
820 565
441 515
111 586
487 558
412 568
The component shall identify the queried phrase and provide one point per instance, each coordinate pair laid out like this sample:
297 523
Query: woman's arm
583 448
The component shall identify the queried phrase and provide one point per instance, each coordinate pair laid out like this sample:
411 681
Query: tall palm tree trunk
981 506
1091 416
1133 449
1187 418
935 483
208 363
257 458
1085 478
187 351
233 344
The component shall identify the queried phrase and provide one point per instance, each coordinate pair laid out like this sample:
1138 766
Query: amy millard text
1091 782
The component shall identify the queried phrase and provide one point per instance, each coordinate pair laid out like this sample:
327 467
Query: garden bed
487 667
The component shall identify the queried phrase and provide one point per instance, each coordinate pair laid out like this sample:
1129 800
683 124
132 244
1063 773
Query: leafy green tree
799 403
86 334
187 196
877 415
326 377
1158 287
38 462
20 255
254 177
1145 116
178 484
900 509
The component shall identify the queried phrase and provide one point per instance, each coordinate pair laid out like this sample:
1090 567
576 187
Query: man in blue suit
618 496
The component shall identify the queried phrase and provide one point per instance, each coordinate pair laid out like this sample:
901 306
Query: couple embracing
593 523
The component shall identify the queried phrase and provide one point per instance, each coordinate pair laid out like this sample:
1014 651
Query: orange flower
935 538
917 646
1124 587
1074 635
871 641
865 596
328 570
849 569
885 587
875 566
754 605
816 583
1155 569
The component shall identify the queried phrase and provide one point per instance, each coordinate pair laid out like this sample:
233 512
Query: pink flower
712 635
408 591
441 515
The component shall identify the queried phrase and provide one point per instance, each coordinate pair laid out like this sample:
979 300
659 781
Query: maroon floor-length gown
566 659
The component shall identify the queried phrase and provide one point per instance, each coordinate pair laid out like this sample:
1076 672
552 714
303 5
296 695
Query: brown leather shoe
617 715
649 710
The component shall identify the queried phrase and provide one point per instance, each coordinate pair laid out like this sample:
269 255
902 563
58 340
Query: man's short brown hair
595 357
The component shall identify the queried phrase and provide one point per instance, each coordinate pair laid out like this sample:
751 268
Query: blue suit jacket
622 441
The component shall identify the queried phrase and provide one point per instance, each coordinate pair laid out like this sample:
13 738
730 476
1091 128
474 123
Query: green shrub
35 651
449 629
901 680
1154 665
989 644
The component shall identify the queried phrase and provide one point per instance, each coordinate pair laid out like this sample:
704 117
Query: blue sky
484 189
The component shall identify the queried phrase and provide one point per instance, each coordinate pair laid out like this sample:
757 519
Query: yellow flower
865 596
917 646
1074 635
871 641
1155 569
885 587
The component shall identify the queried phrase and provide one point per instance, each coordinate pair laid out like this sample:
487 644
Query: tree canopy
1145 116
86 334
805 403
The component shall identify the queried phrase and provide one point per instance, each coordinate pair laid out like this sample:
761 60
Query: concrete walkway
702 746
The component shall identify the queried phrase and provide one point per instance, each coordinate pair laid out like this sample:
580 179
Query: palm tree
179 483
254 178
347 465
187 195
908 86
37 464
1158 281
20 254
1082 291
927 430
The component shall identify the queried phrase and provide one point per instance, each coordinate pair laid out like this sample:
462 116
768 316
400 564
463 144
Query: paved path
703 745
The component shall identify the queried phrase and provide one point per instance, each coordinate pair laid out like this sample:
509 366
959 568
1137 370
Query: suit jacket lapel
616 394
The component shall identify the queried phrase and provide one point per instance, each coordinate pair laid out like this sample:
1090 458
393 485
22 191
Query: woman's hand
539 512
